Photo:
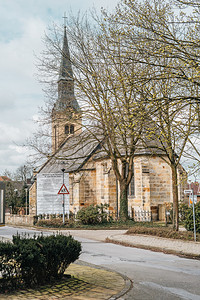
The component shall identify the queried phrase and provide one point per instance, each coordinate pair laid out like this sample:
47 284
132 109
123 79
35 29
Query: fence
142 216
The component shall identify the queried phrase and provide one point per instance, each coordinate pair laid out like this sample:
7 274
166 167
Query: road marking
178 292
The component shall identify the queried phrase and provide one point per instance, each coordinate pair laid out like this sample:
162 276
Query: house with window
91 179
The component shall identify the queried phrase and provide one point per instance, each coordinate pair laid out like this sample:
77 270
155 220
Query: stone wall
153 185
18 219
87 188
33 199
161 181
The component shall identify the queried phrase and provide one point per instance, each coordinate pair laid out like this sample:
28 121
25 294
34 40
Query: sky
22 27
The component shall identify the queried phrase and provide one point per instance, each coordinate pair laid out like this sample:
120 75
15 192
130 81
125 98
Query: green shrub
93 214
9 269
164 232
37 260
183 209
189 223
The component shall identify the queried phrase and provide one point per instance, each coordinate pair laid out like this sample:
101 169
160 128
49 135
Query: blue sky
22 26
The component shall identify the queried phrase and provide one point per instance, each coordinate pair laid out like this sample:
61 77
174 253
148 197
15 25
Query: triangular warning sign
63 190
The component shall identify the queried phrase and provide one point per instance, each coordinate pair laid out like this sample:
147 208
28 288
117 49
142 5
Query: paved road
155 275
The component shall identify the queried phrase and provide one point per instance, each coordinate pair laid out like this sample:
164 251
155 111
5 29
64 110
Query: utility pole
195 238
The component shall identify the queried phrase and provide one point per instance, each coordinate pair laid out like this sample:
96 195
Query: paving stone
86 283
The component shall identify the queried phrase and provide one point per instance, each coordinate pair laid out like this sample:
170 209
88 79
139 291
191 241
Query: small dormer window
69 129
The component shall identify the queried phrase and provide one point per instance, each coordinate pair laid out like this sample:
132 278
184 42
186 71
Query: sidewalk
179 247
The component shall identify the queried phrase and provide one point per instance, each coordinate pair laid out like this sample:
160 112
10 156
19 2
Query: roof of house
4 178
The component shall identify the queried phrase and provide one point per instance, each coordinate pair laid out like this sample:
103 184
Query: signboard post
63 203
63 190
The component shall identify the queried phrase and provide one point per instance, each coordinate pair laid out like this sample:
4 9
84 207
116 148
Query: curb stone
126 289
128 282
152 248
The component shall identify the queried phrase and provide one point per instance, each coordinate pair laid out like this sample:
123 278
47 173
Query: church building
89 176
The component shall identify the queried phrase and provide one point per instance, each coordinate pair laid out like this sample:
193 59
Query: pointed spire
66 97
65 66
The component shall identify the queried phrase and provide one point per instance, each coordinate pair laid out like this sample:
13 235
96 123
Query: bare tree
138 66
170 51
107 84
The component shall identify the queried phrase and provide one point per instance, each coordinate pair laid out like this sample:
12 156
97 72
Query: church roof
73 154
78 149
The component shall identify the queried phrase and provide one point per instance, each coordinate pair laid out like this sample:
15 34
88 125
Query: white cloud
22 26
17 149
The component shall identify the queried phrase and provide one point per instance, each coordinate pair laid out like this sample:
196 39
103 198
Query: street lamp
14 208
26 190
63 203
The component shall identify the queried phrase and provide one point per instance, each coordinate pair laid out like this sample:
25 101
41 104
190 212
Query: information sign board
48 200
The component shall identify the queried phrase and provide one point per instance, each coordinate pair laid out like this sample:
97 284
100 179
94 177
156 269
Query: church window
131 189
55 137
71 129
87 190
103 165
66 129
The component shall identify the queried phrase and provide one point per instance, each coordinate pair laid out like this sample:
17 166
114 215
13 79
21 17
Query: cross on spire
65 19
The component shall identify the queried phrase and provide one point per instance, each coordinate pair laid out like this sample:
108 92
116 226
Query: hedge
37 260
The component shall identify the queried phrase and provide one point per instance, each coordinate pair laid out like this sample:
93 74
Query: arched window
71 129
66 129
55 136
131 188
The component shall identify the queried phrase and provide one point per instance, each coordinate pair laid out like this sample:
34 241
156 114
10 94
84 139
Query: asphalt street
154 275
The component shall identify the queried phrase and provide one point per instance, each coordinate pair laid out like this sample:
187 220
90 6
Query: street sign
63 190
191 199
187 191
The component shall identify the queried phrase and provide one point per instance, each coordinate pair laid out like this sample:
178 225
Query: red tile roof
4 178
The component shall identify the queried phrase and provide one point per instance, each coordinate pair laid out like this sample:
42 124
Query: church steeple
66 114
66 97
65 66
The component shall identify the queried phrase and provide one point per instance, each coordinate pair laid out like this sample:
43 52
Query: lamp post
63 203
26 190
14 206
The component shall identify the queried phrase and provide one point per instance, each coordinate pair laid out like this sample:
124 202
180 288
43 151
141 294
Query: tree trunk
175 198
123 213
